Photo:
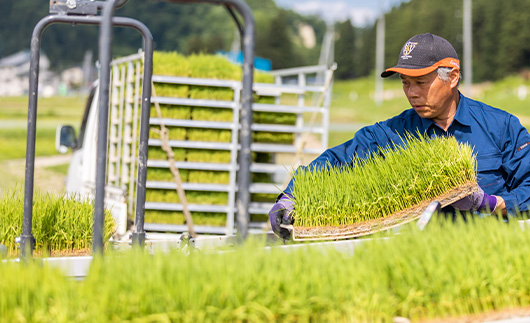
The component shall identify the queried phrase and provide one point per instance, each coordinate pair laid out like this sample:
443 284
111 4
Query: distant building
14 75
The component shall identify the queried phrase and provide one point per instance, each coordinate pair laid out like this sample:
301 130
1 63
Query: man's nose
412 91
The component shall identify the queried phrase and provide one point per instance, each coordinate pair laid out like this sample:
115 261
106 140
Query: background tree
345 50
501 44
365 54
275 44
186 28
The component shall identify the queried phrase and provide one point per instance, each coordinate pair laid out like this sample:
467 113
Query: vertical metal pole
27 241
379 58
468 48
105 52
243 198
138 236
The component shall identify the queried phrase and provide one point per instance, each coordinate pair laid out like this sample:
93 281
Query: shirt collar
462 111
461 116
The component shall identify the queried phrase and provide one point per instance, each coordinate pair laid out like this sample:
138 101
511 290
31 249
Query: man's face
429 96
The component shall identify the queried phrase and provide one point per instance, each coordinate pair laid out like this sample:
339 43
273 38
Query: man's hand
501 206
282 213
478 201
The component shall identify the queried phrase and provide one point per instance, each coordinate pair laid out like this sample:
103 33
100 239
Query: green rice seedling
260 157
164 217
172 111
212 114
209 135
211 93
175 133
448 272
264 99
261 178
273 137
156 153
172 90
263 197
207 156
60 223
160 195
395 179
259 217
201 66
171 64
263 77
207 176
165 175
274 118
207 218
213 67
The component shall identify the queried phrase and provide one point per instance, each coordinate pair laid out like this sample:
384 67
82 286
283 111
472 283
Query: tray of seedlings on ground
383 191
62 225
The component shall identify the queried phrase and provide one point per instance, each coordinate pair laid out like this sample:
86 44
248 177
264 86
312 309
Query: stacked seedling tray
199 101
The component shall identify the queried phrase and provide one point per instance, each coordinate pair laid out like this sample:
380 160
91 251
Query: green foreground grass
447 270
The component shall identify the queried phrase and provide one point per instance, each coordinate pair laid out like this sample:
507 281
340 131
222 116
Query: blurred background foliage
501 45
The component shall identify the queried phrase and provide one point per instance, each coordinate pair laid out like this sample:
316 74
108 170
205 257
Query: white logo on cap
407 49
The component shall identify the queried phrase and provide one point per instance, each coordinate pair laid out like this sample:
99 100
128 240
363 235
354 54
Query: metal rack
302 89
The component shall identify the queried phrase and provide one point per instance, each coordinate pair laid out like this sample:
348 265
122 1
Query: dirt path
12 173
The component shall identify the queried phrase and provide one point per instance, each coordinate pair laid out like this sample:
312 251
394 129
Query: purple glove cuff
489 202
281 212
478 201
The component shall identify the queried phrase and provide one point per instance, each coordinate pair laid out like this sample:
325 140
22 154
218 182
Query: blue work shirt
501 145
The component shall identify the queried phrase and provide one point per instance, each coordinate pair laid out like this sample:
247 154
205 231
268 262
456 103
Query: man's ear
454 75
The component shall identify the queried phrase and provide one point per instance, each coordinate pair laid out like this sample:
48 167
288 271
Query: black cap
422 54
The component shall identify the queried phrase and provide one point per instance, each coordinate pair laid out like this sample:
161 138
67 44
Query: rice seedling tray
301 233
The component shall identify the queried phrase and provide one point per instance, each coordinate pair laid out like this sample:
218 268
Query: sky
361 12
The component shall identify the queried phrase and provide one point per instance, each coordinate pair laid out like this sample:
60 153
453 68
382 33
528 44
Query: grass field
13 137
50 113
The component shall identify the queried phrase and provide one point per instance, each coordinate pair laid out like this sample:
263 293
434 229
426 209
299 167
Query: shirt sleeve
516 164
362 145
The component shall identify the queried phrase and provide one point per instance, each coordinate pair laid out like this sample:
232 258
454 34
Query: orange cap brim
446 62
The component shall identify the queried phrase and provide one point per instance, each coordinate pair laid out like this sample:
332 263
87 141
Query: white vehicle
300 84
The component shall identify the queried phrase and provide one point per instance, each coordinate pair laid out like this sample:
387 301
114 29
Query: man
430 72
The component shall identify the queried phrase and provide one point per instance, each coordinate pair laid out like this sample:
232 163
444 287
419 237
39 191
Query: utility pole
468 48
379 58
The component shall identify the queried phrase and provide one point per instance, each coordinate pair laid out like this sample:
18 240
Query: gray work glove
478 201
282 213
